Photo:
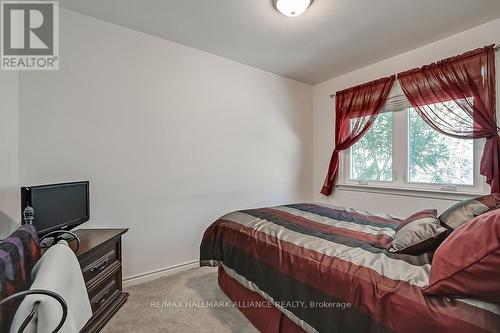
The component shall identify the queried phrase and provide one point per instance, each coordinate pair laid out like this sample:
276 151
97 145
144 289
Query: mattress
327 270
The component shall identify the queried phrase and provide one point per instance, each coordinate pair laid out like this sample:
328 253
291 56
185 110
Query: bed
319 268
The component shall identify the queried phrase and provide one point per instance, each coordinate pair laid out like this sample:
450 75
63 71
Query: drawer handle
100 267
102 299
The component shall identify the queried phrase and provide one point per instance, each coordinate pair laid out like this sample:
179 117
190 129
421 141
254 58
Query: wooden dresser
100 257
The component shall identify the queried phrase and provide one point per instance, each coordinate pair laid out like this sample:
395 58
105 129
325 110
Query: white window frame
400 167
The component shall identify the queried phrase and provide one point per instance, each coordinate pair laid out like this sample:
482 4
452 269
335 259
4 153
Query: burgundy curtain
355 111
456 97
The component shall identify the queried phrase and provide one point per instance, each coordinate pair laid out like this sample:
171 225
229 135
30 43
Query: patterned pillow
419 233
466 210
18 254
467 264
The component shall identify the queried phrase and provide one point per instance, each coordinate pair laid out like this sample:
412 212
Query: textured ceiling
332 38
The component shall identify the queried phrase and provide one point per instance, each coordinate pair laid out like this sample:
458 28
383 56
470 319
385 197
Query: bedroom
180 112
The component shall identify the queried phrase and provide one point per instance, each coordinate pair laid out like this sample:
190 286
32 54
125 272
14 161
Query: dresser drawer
100 259
99 262
105 292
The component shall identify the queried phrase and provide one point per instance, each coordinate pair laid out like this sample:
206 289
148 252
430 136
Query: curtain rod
496 48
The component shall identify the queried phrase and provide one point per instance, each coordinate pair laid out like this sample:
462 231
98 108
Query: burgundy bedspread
327 270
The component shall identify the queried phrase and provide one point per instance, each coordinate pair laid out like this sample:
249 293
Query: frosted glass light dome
292 8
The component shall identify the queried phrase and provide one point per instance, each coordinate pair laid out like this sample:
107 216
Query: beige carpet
190 301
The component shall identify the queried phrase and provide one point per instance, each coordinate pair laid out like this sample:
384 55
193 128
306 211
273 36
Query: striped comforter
327 269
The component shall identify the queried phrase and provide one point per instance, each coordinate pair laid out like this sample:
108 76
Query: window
402 151
434 158
372 155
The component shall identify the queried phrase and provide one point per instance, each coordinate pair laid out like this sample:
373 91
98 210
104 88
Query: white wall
324 116
9 190
170 137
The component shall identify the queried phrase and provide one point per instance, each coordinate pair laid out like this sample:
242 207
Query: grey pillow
466 210
422 232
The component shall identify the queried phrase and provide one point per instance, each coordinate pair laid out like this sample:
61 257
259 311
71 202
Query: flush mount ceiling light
292 8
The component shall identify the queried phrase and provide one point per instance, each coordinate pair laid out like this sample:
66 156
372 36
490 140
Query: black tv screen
57 206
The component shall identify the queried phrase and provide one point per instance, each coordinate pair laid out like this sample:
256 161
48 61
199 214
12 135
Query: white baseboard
158 273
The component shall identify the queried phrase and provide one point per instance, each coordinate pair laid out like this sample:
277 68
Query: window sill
407 192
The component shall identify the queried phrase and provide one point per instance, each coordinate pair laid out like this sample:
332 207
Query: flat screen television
57 206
